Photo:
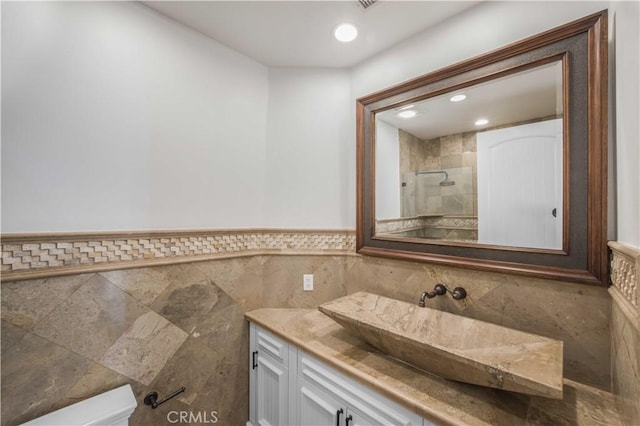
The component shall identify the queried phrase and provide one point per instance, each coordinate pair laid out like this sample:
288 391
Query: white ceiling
299 33
516 98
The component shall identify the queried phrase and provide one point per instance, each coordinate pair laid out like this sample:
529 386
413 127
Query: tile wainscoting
68 338
156 326
577 314
625 330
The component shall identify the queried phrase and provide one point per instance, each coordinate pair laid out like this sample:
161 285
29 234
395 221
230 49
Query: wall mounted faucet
458 293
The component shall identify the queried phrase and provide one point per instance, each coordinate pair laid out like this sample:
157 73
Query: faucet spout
438 290
423 296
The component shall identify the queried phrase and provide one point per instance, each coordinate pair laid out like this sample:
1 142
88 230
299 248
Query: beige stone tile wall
574 313
68 338
625 331
80 335
283 280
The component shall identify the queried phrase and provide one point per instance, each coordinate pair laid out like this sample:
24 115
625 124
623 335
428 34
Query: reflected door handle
338 414
348 420
554 212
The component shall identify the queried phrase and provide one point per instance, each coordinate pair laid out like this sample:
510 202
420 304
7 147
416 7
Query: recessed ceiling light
458 98
345 33
407 113
482 122
406 107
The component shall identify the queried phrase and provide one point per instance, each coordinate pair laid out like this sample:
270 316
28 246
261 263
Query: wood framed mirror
495 163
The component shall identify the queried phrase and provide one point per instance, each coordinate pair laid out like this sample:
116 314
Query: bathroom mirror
497 163
481 164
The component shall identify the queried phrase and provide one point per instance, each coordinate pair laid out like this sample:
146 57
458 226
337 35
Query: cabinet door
365 406
271 392
253 383
365 417
315 408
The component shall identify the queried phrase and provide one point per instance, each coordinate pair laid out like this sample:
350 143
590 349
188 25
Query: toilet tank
112 408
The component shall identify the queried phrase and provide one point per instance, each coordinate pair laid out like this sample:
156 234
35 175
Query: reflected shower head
444 182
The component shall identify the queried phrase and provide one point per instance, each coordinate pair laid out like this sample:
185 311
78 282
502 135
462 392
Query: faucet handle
459 293
440 290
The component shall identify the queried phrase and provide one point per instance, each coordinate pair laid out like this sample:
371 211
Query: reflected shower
445 182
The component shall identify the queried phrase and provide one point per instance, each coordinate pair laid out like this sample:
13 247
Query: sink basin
453 346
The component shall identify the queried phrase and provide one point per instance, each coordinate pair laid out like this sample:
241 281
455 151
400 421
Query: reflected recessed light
458 98
482 122
406 107
408 113
345 33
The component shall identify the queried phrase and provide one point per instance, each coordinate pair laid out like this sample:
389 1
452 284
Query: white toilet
112 408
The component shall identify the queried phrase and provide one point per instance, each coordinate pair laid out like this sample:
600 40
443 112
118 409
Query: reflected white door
520 185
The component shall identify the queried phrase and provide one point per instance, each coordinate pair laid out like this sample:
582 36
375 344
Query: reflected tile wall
455 153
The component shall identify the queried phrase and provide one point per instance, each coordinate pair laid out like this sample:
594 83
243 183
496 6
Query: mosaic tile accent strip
25 253
625 262
466 222
391 225
453 222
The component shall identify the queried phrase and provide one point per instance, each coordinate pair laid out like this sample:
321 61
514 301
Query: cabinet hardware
348 420
254 362
338 414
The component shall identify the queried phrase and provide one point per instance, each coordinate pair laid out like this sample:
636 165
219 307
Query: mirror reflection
478 165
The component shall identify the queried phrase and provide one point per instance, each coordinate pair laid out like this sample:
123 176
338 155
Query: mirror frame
582 47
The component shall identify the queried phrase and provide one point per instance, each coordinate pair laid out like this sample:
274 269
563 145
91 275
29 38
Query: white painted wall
116 117
480 29
308 140
625 35
388 171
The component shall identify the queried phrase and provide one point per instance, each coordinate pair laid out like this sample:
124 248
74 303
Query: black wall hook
152 397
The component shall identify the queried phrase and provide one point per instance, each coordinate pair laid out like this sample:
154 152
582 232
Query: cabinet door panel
315 408
268 343
271 395
367 418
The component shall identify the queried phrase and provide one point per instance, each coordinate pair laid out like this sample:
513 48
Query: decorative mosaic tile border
38 255
392 225
465 222
625 265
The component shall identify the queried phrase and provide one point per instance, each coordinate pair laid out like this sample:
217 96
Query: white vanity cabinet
268 379
290 387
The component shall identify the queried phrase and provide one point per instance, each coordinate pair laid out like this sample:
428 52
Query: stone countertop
436 399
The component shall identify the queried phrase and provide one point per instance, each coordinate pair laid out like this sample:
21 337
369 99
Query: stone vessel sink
453 346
